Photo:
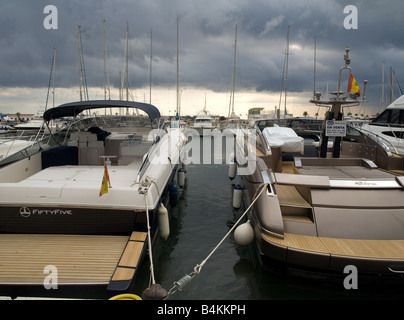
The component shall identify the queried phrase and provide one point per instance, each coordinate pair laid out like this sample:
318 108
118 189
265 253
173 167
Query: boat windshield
392 117
102 125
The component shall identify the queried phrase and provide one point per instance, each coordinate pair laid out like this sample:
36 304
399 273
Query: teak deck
382 249
79 259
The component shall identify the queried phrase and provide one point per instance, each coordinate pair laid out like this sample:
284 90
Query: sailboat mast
391 84
151 62
178 85
53 78
286 76
51 81
82 70
231 105
126 62
80 64
315 59
120 85
382 102
106 73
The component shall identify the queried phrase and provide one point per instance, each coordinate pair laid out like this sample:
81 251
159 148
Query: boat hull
326 214
371 240
331 255
70 220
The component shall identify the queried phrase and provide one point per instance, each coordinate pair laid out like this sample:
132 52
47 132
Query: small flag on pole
105 181
352 86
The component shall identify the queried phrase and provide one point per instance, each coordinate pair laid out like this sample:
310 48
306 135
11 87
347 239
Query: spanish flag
105 181
352 86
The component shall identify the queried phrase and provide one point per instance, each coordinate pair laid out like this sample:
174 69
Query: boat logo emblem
25 212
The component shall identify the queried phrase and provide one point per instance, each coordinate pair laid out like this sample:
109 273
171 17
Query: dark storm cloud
206 40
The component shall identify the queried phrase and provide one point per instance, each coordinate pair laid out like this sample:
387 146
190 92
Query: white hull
66 180
388 127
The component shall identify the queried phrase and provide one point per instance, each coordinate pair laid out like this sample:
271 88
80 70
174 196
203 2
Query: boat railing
40 141
162 126
22 137
380 140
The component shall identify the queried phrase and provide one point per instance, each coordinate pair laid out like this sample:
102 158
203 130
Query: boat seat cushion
60 156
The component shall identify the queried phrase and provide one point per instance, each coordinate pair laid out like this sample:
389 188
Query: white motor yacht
320 214
101 180
389 126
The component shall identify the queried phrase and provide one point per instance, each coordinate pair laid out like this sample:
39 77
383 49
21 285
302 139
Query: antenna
346 57
347 62
365 82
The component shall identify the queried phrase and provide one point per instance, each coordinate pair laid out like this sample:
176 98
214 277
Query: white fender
237 196
232 169
181 178
163 223
244 234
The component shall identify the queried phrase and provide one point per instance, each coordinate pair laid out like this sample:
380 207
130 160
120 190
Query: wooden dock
79 259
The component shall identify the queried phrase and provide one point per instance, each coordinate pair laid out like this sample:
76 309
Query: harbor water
201 219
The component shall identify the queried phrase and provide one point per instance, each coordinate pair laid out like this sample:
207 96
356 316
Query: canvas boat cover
284 137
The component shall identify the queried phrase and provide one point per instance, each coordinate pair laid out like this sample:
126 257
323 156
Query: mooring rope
149 241
181 283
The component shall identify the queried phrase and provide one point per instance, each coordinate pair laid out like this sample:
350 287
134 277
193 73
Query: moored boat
389 126
340 208
102 179
203 123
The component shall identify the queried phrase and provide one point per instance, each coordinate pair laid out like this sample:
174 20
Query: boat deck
375 249
79 259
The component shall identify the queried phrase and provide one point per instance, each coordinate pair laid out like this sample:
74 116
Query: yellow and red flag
352 85
105 181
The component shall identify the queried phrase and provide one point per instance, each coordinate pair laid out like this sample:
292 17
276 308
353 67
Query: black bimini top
72 109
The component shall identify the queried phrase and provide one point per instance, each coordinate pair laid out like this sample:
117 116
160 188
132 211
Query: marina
142 197
233 272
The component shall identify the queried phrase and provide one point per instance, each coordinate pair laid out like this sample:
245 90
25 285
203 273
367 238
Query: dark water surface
203 216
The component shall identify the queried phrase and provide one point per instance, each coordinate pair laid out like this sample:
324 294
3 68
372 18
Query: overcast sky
206 45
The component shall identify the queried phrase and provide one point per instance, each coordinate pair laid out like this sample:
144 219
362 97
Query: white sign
335 128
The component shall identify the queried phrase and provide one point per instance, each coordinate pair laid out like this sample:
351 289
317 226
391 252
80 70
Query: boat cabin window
394 134
394 117
351 131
